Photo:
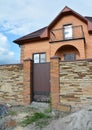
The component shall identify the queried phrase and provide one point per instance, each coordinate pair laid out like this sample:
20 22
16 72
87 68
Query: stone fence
76 83
11 84
71 84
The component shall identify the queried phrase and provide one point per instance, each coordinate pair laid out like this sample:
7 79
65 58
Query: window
67 31
68 57
39 57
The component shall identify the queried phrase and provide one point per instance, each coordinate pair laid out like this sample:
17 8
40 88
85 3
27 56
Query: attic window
67 31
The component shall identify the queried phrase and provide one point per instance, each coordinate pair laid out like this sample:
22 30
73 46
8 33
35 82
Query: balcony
67 33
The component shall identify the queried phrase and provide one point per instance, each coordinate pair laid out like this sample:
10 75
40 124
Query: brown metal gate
41 82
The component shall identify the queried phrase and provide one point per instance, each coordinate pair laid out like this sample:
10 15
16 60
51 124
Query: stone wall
71 83
76 83
11 84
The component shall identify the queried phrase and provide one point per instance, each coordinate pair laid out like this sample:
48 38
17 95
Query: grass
12 113
40 119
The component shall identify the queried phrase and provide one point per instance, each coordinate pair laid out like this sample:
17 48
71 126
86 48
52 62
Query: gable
69 12
68 20
44 32
66 12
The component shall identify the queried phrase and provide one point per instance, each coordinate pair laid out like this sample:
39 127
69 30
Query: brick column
55 86
54 77
27 92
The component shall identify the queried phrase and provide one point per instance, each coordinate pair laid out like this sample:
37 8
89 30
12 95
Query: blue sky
20 17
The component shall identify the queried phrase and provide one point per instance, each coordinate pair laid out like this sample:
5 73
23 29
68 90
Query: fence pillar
55 86
54 77
27 92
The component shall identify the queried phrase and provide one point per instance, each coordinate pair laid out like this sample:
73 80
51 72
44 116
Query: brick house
68 36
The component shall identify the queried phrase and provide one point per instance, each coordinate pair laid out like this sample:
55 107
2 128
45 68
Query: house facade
61 61
67 36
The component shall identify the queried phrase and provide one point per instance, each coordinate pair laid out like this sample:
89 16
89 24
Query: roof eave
90 27
90 31
20 42
43 35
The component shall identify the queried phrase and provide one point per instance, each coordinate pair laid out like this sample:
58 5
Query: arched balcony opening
68 53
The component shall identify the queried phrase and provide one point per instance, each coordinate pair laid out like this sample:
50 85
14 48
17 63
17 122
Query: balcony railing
76 32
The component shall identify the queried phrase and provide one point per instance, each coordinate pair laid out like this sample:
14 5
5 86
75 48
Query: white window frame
38 59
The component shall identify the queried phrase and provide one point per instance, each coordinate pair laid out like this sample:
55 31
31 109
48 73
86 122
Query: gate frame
54 84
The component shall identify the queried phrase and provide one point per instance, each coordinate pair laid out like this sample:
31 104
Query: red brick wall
27 92
84 48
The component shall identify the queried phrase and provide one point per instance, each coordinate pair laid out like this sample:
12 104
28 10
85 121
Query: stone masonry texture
11 84
76 83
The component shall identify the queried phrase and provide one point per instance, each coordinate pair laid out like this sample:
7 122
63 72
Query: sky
20 17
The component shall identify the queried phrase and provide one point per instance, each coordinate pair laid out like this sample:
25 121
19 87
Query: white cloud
20 28
6 56
22 16
19 17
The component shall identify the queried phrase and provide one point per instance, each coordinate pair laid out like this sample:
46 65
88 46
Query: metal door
41 82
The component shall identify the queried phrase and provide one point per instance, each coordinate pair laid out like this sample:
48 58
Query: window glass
42 58
39 58
67 31
36 58
69 57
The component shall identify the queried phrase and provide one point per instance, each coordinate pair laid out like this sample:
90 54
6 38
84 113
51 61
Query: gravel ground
16 114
